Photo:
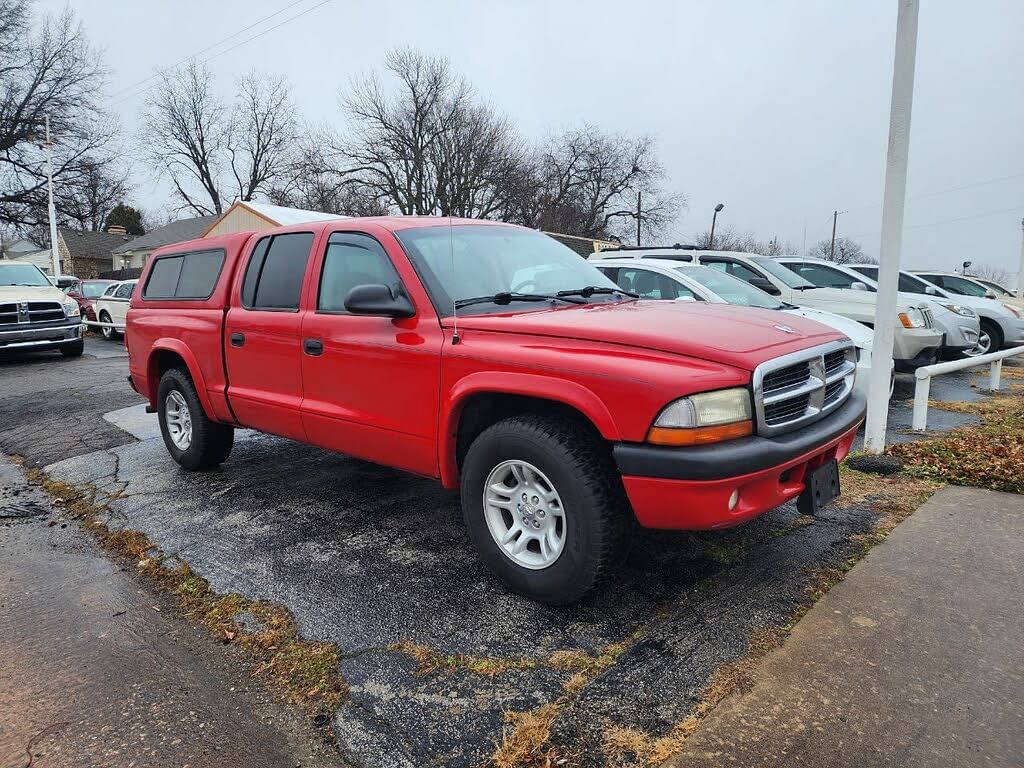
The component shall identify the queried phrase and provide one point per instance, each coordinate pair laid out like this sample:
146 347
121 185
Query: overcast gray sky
778 109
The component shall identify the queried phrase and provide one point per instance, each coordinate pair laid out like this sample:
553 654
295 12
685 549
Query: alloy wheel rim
984 345
178 419
524 514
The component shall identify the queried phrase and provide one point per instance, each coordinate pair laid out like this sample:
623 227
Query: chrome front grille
800 388
30 312
929 321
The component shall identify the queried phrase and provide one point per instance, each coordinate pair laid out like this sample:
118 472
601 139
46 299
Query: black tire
73 348
995 333
596 512
108 333
211 441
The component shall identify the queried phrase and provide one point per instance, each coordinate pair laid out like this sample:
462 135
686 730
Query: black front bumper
928 356
736 457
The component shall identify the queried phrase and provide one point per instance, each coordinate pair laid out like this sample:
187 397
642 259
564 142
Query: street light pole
892 224
714 218
832 250
54 254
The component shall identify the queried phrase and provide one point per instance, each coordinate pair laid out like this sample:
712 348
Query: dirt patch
987 455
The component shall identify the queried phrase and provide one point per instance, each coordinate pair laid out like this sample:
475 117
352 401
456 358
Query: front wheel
544 506
108 333
193 439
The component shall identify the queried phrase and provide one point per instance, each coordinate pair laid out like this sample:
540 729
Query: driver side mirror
765 285
931 290
990 294
378 299
857 285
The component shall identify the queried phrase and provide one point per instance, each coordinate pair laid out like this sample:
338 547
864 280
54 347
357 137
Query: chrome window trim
814 387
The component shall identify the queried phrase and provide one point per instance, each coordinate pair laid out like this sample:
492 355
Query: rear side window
352 259
163 279
273 279
188 276
125 291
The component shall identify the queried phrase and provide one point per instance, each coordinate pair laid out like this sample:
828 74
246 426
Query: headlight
708 417
71 309
1013 310
958 308
912 318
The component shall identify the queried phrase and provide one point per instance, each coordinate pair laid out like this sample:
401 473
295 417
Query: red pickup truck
496 360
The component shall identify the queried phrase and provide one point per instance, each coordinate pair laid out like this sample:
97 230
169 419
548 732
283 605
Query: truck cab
497 361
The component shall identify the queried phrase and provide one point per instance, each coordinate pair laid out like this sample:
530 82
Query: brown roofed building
87 254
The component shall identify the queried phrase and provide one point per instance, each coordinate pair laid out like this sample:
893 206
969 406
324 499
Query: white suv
1001 321
916 343
957 321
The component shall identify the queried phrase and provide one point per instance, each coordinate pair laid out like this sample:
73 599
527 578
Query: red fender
180 349
530 385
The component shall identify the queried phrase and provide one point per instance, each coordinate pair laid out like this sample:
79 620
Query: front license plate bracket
821 488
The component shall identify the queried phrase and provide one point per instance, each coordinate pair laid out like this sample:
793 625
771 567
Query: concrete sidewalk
915 659
97 670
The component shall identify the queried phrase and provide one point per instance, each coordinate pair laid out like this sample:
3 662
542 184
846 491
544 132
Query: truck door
262 345
370 383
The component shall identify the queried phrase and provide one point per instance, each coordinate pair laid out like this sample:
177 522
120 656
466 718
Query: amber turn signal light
699 435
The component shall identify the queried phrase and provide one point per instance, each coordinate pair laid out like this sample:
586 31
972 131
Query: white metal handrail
925 373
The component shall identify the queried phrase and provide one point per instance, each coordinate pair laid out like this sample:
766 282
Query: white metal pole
1020 274
892 223
54 253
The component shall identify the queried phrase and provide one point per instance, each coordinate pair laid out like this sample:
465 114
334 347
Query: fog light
734 499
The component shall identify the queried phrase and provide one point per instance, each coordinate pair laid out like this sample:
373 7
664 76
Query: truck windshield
473 261
786 275
22 274
732 289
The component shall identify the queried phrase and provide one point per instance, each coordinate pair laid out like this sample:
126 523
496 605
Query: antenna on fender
455 301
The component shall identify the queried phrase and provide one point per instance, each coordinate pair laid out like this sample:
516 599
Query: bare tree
210 149
847 251
429 147
993 272
48 69
94 192
587 182
728 239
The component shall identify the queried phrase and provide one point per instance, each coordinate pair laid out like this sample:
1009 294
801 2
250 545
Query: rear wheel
193 439
108 333
544 506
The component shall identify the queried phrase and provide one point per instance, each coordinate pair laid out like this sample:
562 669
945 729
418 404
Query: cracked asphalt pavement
366 557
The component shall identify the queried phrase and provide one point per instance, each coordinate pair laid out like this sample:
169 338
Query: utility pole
832 250
1020 274
54 254
638 213
893 202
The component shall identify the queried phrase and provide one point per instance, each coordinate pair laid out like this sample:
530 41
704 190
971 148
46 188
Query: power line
232 36
226 50
950 221
934 193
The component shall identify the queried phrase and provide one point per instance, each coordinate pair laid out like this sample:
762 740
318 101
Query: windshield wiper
590 290
507 297
802 287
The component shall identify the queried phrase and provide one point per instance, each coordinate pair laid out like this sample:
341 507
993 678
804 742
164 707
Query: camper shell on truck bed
557 403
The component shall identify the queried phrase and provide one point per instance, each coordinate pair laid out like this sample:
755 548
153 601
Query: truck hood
866 299
738 336
10 293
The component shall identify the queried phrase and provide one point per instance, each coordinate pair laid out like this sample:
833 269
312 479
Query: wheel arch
482 399
172 353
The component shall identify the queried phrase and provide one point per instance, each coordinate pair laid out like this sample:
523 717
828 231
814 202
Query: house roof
284 217
176 232
91 245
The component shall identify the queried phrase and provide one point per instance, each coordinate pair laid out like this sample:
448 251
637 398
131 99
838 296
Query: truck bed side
162 333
